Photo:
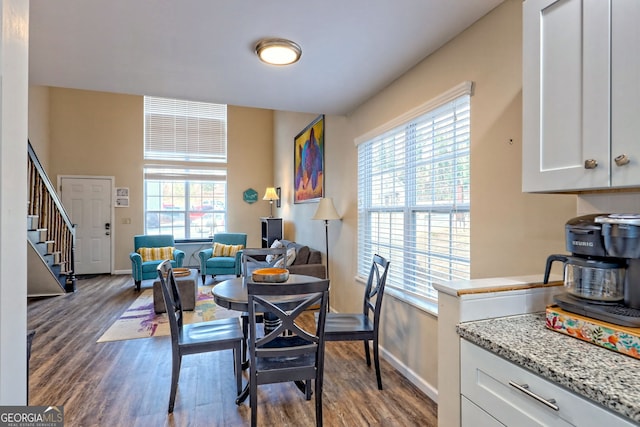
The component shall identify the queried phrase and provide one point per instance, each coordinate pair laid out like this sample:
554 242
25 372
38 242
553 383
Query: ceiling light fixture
278 51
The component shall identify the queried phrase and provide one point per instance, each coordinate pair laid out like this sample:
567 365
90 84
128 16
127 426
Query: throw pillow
220 249
291 256
302 256
155 254
275 245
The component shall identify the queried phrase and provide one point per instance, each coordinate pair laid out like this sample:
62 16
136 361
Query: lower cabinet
496 392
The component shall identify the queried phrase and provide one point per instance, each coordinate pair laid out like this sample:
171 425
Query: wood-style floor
126 383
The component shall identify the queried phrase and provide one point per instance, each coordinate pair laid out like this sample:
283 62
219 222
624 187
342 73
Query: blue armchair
148 270
222 265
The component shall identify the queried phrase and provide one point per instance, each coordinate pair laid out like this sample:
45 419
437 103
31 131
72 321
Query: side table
188 288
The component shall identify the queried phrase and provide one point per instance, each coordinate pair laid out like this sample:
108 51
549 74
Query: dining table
232 294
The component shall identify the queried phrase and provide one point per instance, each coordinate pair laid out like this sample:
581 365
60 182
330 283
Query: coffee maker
602 274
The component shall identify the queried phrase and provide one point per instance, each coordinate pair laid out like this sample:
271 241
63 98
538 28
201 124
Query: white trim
415 379
464 88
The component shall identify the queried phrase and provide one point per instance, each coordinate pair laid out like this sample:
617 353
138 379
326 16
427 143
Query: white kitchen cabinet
625 91
513 396
579 94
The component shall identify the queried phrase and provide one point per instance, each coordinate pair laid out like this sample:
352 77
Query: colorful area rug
141 321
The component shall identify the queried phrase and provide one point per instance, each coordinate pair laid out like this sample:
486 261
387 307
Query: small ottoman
188 288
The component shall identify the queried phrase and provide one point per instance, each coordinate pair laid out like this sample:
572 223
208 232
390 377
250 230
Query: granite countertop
604 376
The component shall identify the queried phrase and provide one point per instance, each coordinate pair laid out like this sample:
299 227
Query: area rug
141 321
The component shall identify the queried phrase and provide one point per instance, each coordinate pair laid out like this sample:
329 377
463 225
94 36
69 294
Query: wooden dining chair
251 260
363 326
296 356
223 334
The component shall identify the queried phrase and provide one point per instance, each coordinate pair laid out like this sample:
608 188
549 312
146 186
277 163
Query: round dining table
232 293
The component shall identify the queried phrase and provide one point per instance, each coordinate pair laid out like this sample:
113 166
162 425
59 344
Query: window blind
413 199
184 130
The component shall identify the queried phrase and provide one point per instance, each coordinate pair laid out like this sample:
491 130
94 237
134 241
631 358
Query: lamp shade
326 210
270 194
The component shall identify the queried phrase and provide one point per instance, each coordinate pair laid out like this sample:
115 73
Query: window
183 196
413 195
184 130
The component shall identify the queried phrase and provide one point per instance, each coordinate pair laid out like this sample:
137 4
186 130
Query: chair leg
318 402
138 282
307 389
253 401
366 352
245 332
237 367
175 376
204 277
376 360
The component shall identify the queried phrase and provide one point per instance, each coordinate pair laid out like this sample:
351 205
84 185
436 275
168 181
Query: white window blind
413 198
184 130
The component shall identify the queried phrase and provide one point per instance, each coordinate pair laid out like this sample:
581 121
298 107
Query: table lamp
270 195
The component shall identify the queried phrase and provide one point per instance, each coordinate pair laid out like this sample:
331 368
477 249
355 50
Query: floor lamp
326 211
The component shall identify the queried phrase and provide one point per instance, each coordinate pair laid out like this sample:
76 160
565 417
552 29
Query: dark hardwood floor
126 383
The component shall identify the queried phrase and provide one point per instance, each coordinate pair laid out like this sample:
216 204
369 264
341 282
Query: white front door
88 203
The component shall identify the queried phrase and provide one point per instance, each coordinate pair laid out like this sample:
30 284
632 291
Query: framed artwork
279 193
308 163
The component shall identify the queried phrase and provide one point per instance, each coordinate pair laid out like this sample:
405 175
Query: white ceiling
203 49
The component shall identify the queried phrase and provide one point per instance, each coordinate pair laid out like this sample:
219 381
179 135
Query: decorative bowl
270 275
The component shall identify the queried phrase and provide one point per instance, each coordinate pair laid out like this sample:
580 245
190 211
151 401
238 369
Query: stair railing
46 205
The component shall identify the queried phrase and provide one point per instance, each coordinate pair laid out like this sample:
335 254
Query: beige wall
101 134
39 122
512 232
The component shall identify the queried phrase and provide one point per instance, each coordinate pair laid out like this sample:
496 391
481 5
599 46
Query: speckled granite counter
608 378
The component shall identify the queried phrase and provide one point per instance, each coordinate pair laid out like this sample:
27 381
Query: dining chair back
363 326
290 352
224 334
254 258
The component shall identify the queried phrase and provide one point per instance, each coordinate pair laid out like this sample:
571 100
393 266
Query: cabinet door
472 416
566 94
625 92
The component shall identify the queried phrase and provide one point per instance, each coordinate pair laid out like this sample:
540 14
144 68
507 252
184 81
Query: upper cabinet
581 95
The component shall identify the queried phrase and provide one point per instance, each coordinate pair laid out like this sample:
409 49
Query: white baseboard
424 386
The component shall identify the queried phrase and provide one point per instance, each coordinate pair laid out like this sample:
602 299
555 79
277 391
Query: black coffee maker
602 275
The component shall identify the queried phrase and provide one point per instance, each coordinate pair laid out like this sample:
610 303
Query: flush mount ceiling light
278 51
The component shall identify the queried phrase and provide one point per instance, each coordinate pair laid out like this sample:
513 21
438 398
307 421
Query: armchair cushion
222 250
155 254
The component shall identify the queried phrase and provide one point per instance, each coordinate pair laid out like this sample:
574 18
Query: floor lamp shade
326 210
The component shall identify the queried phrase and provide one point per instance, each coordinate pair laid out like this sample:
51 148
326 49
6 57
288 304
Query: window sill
421 304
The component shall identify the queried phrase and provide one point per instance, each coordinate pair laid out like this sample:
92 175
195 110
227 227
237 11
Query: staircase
50 237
